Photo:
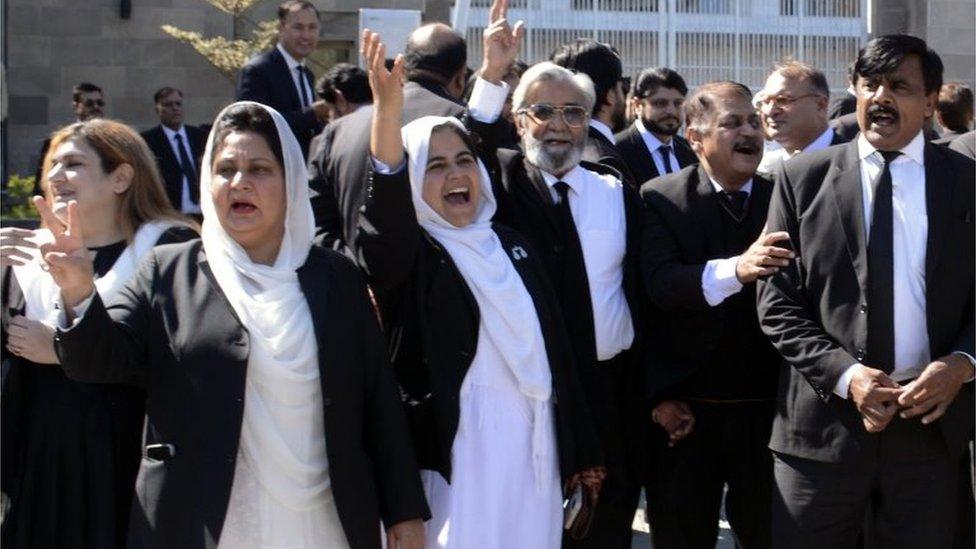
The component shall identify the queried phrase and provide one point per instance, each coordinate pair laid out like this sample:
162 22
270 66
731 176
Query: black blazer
634 151
172 330
169 164
812 310
432 318
337 170
266 79
601 150
842 105
683 231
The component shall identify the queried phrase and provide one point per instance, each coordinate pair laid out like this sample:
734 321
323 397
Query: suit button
239 399
861 353
863 308
326 401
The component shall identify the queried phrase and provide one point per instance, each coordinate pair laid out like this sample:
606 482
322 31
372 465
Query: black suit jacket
433 319
683 231
337 170
266 79
172 330
812 310
842 105
601 150
634 151
169 164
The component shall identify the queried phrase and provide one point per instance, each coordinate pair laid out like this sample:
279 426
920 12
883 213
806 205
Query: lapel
758 205
705 208
939 191
837 139
537 192
198 139
682 150
166 149
642 158
602 142
844 179
284 76
314 279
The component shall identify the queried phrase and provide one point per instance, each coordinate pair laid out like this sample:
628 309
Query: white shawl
282 435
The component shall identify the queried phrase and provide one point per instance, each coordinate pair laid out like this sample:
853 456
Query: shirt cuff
971 361
79 310
719 280
383 169
487 100
844 383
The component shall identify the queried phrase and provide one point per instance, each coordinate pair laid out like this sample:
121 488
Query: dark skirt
70 456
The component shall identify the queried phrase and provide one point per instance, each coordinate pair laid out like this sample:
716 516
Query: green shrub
18 204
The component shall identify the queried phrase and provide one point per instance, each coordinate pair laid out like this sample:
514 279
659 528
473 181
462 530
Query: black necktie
735 203
881 273
665 152
301 85
189 171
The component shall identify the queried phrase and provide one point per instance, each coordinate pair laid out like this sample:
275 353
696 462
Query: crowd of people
418 305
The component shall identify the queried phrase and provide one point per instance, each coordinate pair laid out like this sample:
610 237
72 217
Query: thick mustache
875 110
751 146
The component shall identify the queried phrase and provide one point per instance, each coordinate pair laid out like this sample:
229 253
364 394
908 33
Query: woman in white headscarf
70 450
272 418
481 352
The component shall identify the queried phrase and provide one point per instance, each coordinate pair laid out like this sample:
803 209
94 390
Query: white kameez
499 497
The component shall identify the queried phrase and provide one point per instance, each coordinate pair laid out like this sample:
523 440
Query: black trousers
906 482
728 447
613 517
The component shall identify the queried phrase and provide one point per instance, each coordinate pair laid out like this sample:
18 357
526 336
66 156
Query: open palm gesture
500 42
67 259
387 85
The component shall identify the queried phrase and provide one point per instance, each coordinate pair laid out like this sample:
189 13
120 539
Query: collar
915 149
821 142
289 60
573 178
603 129
170 134
718 188
653 143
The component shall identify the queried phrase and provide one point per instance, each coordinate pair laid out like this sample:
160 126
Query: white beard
551 163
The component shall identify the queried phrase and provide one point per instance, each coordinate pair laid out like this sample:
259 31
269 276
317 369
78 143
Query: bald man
435 61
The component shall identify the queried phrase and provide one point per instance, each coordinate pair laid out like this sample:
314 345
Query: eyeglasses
573 115
782 101
93 103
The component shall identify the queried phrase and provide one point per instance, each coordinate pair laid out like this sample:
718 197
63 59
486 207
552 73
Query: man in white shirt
874 319
711 371
793 105
585 224
178 149
651 146
280 79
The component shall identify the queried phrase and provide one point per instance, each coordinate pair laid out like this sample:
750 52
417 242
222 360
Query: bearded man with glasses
585 225
793 108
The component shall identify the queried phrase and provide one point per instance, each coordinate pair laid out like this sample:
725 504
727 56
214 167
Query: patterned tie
881 275
301 85
189 171
665 152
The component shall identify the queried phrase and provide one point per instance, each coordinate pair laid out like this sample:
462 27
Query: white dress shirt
771 157
653 144
910 227
597 204
299 83
186 205
603 129
719 280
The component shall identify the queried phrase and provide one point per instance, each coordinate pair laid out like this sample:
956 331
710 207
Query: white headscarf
508 314
282 434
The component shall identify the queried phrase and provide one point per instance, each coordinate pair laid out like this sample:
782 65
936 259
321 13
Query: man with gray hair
793 107
584 222
711 371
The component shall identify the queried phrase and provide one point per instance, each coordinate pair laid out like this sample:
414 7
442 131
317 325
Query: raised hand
500 42
385 142
67 259
13 245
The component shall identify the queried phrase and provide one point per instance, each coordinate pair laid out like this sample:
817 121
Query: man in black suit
793 109
874 320
711 372
657 102
435 60
585 224
280 79
846 103
178 149
602 64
